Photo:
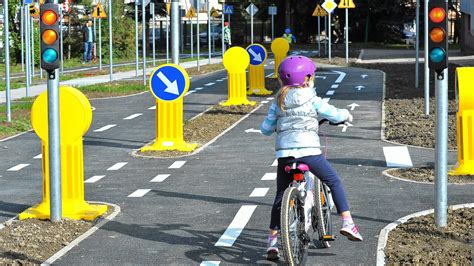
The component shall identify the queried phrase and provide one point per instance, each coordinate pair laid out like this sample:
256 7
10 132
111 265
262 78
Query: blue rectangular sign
228 10
27 2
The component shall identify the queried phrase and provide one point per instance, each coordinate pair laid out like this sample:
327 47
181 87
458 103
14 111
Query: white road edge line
236 226
117 166
177 165
132 116
18 167
139 193
94 179
104 128
269 176
259 192
397 156
159 178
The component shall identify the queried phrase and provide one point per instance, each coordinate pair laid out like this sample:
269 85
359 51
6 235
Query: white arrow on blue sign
228 10
257 53
168 83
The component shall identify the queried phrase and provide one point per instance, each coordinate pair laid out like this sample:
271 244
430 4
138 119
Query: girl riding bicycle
294 117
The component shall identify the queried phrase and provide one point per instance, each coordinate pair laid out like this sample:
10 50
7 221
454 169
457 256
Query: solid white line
335 86
39 156
139 193
94 179
219 80
160 178
275 163
270 98
210 263
326 100
102 129
18 167
190 92
259 192
132 116
117 166
152 108
177 165
269 176
341 77
198 89
236 226
330 93
397 156
210 84
264 101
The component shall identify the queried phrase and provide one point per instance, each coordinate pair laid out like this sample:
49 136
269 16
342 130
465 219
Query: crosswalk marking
160 178
269 176
139 193
104 128
210 263
335 86
329 93
259 192
94 179
39 156
132 116
177 165
117 166
18 167
236 226
397 156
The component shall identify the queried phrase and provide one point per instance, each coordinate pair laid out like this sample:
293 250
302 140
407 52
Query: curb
135 154
88 233
383 236
359 60
385 173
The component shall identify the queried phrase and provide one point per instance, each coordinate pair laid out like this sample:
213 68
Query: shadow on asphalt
357 162
8 209
108 142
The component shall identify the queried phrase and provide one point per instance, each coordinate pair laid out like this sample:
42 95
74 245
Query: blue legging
321 168
87 56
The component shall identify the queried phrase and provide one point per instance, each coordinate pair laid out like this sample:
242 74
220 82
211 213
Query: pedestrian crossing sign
99 12
346 4
319 12
228 10
191 13
34 11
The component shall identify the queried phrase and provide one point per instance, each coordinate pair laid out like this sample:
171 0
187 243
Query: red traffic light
437 14
49 17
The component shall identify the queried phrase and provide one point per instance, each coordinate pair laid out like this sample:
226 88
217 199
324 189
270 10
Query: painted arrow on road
256 57
253 130
171 87
364 76
360 87
353 106
345 126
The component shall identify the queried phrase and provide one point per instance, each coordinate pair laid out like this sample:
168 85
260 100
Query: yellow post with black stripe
280 48
169 83
465 121
236 61
258 57
75 120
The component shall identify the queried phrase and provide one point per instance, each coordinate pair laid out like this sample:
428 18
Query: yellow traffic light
49 37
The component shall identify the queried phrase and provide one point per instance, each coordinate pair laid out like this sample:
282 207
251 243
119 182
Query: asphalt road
204 211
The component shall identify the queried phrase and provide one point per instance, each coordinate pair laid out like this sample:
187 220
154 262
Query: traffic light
438 36
49 28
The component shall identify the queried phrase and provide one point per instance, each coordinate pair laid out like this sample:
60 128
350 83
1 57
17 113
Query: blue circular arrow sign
169 82
258 54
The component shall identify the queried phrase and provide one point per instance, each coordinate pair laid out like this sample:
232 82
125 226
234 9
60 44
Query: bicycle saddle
296 167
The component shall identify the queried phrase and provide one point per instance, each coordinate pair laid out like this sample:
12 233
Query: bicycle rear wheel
322 221
292 228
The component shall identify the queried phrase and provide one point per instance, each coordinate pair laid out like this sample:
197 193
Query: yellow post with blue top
236 60
169 83
465 121
258 57
75 120
280 48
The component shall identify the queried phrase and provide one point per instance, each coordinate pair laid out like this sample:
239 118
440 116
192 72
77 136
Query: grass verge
20 111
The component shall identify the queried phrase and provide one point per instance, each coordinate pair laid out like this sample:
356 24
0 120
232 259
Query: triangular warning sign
319 12
34 12
168 8
214 13
99 12
346 4
191 13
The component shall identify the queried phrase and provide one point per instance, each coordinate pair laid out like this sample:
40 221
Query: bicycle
302 212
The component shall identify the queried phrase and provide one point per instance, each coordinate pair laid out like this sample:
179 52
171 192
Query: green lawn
20 118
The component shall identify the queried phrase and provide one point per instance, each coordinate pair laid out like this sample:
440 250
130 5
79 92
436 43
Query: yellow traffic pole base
170 146
237 101
72 210
462 169
259 91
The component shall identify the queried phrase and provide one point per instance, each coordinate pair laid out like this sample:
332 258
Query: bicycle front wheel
322 212
292 228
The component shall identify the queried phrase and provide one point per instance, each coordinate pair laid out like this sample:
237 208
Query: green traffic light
437 55
50 55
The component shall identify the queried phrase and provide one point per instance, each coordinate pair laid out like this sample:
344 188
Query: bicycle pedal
329 238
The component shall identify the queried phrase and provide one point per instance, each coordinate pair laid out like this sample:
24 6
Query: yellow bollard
75 120
258 56
169 83
236 60
280 48
465 121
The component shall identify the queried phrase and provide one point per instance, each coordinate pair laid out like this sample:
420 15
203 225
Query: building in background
467 36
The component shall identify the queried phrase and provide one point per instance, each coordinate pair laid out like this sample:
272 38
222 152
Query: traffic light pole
144 41
175 31
441 180
427 70
7 61
61 53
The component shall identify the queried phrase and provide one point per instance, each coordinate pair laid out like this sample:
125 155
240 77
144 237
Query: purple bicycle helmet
294 70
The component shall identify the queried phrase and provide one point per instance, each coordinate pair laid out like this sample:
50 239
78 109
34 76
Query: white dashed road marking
117 166
160 178
177 165
39 156
152 108
269 176
198 89
18 167
270 98
190 92
132 116
329 93
259 192
236 227
264 101
269 75
94 179
139 193
397 156
210 263
335 86
209 84
275 163
102 129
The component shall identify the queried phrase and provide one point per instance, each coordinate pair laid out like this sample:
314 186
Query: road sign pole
192 37
441 196
427 70
32 31
7 60
222 33
167 39
273 27
209 29
326 31
152 10
198 7
175 31
319 36
251 23
100 44
347 36
417 45
144 41
136 38
22 33
27 52
61 49
330 33
111 65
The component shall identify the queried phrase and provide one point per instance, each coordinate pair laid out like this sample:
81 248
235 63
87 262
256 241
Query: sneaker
273 254
351 231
